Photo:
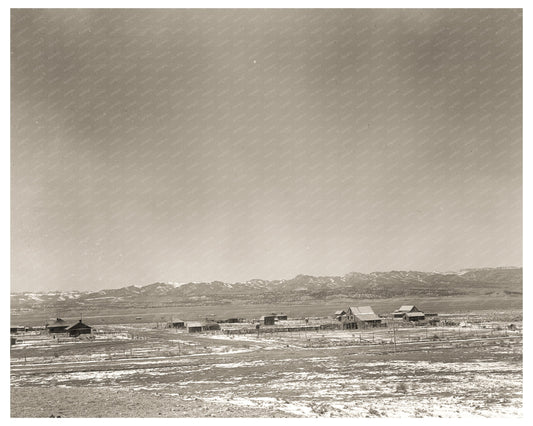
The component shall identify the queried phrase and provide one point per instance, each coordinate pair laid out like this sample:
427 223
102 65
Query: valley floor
143 372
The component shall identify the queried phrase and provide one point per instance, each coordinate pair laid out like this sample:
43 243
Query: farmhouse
404 309
77 329
57 325
408 313
339 314
361 317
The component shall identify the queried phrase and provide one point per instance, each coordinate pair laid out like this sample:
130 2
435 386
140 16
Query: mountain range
375 285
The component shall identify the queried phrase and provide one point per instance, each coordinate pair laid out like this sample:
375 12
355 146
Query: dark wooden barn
79 328
268 319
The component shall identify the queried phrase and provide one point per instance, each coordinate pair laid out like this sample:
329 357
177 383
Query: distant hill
376 285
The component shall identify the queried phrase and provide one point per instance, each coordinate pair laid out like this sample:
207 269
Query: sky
199 145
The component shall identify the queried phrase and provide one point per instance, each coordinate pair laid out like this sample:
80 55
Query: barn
281 317
77 329
57 325
360 317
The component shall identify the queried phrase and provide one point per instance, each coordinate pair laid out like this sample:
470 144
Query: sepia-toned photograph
266 213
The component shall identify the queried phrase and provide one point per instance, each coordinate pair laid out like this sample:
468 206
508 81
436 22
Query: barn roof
79 324
194 324
361 310
364 313
407 308
367 317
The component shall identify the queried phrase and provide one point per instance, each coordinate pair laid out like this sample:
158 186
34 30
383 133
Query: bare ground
142 372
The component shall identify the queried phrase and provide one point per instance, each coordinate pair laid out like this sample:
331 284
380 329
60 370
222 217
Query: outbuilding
268 319
177 323
194 327
339 314
210 326
414 316
17 328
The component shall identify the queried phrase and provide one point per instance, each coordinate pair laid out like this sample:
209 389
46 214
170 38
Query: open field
138 370
96 316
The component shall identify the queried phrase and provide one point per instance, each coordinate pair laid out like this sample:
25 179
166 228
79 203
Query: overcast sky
200 145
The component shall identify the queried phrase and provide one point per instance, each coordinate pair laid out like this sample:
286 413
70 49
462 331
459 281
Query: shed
268 319
177 323
414 316
79 328
16 328
210 326
57 325
194 327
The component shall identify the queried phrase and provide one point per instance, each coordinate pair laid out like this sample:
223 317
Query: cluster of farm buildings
354 317
351 318
58 325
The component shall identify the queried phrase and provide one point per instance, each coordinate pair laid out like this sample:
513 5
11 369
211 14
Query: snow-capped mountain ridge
301 287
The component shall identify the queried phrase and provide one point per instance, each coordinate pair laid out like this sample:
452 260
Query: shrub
401 387
373 412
